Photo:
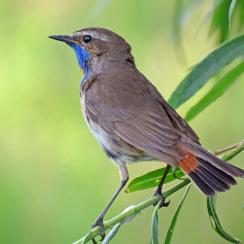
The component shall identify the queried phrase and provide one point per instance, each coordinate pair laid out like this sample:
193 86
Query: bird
132 121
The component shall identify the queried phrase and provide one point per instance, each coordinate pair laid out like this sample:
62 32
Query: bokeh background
54 178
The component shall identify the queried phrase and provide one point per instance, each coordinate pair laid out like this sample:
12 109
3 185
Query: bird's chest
115 148
102 136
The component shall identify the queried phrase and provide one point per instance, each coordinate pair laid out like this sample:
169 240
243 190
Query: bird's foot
162 200
99 223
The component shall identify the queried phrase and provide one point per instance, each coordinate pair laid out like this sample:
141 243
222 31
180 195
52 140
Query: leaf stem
223 150
234 152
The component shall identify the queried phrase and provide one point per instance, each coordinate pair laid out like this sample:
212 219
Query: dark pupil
87 38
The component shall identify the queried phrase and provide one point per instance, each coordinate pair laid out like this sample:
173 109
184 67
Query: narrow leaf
154 226
216 91
173 222
240 19
111 234
220 19
211 205
152 179
231 11
206 69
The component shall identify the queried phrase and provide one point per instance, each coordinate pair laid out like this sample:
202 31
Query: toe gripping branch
162 200
99 223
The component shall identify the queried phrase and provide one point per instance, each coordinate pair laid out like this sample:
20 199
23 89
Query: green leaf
231 11
240 11
216 91
220 19
111 234
152 179
206 69
211 204
154 226
174 220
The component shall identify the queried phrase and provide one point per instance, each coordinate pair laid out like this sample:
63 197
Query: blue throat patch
82 57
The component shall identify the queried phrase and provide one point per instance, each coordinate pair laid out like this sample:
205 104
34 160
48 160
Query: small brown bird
131 120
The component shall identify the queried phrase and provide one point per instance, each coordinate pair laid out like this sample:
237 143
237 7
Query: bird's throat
82 57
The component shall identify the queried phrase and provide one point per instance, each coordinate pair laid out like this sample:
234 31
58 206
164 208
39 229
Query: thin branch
234 152
129 213
223 150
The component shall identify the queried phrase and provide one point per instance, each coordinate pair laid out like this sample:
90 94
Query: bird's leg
99 221
158 191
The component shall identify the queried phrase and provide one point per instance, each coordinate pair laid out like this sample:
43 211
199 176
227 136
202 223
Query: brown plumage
132 121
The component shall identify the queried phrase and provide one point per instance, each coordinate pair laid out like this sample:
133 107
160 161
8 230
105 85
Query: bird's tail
208 172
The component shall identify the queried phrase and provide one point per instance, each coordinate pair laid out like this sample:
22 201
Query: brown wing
130 111
149 134
178 122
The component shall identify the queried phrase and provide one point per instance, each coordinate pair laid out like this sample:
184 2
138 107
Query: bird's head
93 42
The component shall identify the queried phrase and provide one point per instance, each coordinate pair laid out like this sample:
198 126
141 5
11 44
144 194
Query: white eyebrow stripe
93 34
101 37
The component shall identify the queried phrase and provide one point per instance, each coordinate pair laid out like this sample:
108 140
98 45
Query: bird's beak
69 39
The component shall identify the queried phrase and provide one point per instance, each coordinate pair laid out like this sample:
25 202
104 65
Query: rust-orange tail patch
208 177
188 163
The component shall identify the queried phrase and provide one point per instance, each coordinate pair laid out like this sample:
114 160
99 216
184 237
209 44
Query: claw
99 223
163 202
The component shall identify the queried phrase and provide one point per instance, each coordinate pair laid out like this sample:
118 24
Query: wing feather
141 118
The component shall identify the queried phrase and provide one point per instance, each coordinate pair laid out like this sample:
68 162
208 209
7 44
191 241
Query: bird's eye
87 38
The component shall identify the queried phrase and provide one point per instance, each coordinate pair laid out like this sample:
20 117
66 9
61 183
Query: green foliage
210 66
220 21
216 91
239 148
223 14
176 215
152 179
211 204
154 226
221 17
231 11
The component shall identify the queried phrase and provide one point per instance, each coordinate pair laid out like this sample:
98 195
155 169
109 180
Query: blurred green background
55 179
